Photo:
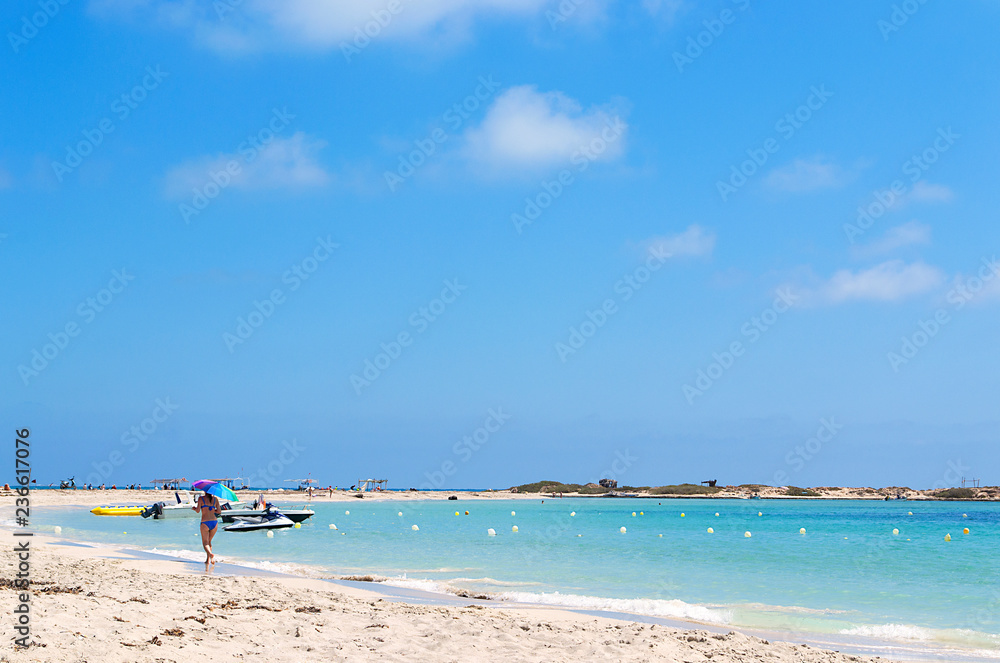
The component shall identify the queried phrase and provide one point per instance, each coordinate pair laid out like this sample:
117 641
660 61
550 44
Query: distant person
102 486
208 506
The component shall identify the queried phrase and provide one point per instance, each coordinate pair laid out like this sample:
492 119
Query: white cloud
694 241
808 175
891 281
924 192
252 24
897 237
527 128
283 163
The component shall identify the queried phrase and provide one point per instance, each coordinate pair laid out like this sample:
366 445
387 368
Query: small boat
118 510
183 508
270 519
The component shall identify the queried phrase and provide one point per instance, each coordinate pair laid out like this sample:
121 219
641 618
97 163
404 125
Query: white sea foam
654 607
891 632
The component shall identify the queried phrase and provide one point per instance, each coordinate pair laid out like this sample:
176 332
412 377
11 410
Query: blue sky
215 216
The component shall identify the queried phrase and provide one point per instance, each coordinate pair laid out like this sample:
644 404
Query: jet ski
296 515
270 519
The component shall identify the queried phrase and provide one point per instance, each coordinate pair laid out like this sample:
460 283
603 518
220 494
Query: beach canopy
215 488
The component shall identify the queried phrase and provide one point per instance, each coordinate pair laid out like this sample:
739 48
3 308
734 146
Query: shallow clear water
847 574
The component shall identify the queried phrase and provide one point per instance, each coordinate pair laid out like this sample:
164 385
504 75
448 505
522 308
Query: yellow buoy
947 537
622 530
343 533
124 532
895 532
682 515
965 531
641 513
415 528
514 529
456 513
802 530
660 535
298 525
270 534
747 534
711 531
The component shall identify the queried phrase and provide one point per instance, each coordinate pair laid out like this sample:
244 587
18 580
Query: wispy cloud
804 175
283 163
235 27
695 241
888 282
897 237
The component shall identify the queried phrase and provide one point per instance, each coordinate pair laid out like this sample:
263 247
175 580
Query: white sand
87 607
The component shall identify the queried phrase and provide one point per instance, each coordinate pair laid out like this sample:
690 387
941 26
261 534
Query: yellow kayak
117 510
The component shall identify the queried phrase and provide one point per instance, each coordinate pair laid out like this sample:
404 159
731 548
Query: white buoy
895 532
716 514
270 534
747 534
491 532
332 526
802 530
711 531
661 536
513 513
57 529
760 513
622 530
514 529
347 513
633 514
415 528
572 513
964 515
400 513
947 537
909 513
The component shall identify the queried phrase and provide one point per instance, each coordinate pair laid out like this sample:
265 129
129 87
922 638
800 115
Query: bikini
210 524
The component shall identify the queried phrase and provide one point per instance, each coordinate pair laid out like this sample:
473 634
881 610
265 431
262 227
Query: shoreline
123 570
373 590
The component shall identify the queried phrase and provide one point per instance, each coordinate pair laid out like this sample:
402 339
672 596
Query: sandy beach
102 604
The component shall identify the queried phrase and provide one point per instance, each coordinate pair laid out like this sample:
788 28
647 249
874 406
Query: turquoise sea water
848 574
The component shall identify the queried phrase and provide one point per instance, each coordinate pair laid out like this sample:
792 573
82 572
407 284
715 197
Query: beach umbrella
215 488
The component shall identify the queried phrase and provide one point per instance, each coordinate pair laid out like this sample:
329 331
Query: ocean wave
654 607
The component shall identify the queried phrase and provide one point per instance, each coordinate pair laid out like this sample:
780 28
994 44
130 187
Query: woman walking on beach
209 507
